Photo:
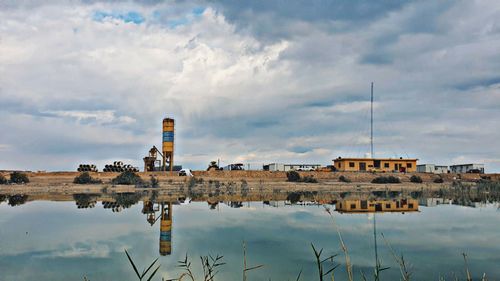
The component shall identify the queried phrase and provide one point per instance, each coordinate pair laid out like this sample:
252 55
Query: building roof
382 159
293 164
466 164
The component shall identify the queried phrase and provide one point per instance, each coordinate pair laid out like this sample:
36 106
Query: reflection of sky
57 241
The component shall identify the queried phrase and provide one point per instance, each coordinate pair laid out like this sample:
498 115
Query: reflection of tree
127 199
84 200
2 198
18 199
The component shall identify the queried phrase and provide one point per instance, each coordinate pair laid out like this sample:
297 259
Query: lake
47 240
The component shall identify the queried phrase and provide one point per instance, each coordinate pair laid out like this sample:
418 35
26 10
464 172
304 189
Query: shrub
3 180
416 179
18 177
85 178
344 179
293 176
389 179
438 180
127 178
154 182
308 179
126 199
18 199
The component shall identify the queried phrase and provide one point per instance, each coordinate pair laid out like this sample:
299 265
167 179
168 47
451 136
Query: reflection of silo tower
168 144
166 230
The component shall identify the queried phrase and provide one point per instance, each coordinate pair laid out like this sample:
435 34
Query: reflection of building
432 202
375 164
372 206
166 229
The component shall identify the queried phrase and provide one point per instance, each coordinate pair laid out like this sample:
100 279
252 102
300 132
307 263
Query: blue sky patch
128 17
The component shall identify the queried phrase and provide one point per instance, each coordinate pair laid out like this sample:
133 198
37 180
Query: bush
18 177
389 179
127 178
154 182
344 179
308 179
293 176
3 180
18 199
416 179
438 180
85 178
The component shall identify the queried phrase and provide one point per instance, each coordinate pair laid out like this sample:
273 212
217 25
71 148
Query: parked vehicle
185 173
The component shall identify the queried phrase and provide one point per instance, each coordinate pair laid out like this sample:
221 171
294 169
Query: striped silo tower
168 144
166 229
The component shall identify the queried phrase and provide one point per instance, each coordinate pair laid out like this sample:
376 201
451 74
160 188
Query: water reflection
375 206
276 226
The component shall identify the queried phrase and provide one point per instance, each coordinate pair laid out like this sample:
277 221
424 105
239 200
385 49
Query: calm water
44 240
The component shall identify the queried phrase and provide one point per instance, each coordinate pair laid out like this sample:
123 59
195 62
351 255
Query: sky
248 81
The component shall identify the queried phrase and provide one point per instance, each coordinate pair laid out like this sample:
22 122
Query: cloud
256 81
98 116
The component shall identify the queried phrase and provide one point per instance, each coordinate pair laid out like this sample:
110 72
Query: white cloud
70 80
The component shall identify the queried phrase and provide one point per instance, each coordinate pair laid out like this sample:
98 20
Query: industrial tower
168 144
166 229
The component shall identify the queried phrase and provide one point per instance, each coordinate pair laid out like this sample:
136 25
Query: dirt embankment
262 181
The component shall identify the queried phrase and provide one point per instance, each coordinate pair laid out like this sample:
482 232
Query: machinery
213 166
168 144
150 161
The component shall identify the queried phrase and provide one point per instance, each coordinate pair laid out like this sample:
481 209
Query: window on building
387 206
364 204
408 165
386 165
410 205
353 206
351 164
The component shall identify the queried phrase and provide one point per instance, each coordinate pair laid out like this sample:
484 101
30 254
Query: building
373 206
234 167
375 164
290 167
467 168
431 168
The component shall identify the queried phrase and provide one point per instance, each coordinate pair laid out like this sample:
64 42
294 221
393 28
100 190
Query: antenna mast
371 122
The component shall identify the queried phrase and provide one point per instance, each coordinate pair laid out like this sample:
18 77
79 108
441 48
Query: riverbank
237 182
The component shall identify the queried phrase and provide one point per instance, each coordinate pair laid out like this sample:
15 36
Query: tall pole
371 123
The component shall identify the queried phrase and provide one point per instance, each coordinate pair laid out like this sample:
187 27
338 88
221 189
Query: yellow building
375 164
372 206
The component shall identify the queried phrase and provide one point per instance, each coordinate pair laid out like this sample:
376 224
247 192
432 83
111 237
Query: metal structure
119 167
371 124
150 161
168 144
87 168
